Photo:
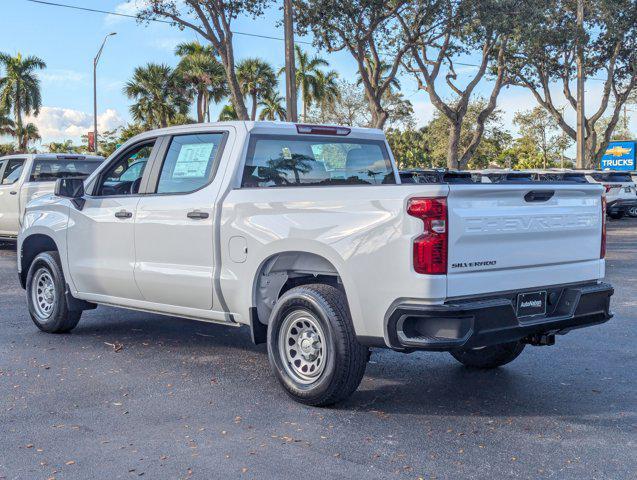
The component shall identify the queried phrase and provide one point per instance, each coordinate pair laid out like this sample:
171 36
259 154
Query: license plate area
531 304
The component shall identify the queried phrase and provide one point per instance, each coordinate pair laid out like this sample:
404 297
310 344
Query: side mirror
72 188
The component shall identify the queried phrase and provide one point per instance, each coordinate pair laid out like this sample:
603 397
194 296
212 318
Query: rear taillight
430 248
602 249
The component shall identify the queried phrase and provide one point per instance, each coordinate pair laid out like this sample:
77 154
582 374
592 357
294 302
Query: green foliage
159 93
272 107
539 128
410 148
7 149
20 95
257 80
202 74
494 139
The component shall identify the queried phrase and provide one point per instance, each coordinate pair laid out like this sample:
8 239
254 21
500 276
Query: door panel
101 236
174 229
101 248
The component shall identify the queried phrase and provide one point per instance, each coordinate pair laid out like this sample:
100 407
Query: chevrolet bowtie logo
617 151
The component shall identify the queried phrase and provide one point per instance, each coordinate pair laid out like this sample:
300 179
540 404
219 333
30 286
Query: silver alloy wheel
43 293
632 211
302 347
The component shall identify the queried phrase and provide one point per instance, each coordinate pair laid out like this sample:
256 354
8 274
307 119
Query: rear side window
51 170
189 162
288 161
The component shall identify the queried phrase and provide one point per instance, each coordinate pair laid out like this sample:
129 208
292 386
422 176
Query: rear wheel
46 297
489 357
632 211
312 346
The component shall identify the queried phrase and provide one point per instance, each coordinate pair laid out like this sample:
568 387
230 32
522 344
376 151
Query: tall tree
366 29
257 79
158 93
203 73
212 19
28 134
437 44
541 128
272 107
20 91
545 55
327 91
228 113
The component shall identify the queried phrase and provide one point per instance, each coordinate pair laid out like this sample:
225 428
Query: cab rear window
613 177
51 170
288 161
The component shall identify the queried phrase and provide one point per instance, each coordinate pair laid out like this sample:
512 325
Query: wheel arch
30 248
284 270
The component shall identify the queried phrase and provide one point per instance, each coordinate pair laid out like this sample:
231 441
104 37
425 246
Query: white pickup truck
305 234
24 177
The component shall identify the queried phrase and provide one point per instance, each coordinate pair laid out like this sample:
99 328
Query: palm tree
327 91
257 79
20 90
205 75
159 95
61 147
306 76
228 113
28 133
272 107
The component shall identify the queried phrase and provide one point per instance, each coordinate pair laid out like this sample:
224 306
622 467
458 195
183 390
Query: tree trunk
454 145
236 97
253 115
18 120
200 111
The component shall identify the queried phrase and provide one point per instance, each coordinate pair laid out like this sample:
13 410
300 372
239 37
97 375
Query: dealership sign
619 156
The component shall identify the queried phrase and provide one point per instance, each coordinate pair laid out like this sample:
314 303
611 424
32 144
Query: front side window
12 171
118 179
189 162
276 161
51 170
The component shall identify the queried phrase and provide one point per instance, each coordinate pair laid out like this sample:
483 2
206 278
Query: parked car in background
506 176
620 191
304 234
24 177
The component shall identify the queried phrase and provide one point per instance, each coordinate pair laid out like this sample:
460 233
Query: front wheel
312 346
489 357
45 295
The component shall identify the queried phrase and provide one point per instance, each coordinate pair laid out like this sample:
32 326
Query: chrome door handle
123 214
197 215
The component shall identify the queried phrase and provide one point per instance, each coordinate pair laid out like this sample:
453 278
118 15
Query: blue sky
68 39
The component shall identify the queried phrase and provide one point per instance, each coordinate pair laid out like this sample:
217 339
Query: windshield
51 170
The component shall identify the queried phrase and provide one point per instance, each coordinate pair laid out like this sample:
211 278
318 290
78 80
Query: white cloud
62 76
56 124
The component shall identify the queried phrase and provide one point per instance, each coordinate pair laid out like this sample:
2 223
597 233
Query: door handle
123 214
197 215
13 193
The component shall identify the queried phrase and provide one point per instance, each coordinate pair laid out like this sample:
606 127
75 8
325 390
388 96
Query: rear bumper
622 205
472 323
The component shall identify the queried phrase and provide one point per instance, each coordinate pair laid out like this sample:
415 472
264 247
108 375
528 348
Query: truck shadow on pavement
394 383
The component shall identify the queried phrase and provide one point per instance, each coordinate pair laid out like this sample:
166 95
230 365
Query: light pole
581 115
95 60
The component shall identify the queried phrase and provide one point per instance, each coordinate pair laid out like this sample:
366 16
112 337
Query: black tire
47 306
616 215
632 212
322 312
489 357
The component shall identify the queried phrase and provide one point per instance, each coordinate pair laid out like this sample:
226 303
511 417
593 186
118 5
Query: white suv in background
621 193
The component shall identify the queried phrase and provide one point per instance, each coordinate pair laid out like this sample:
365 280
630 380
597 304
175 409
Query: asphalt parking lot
130 395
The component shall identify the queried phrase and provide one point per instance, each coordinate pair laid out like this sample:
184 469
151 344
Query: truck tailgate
509 237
